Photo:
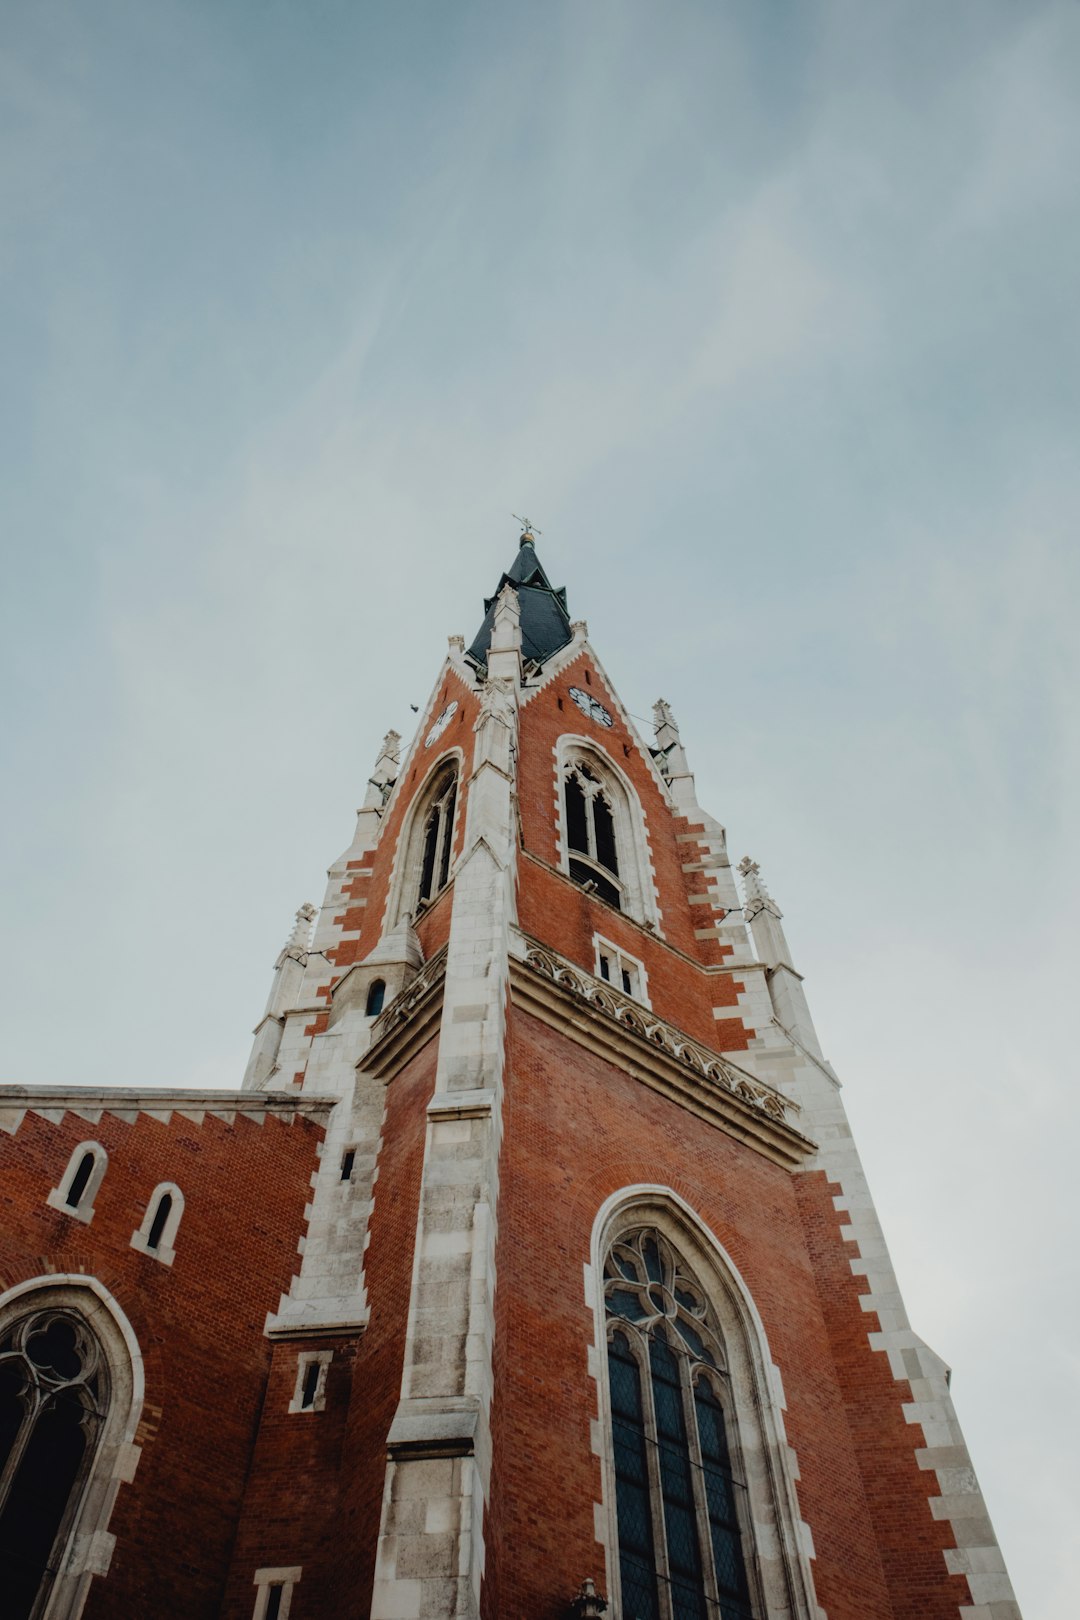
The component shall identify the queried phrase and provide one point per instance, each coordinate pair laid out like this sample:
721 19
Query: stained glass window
678 1506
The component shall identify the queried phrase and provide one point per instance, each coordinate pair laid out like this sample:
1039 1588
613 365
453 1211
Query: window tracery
680 1503
603 835
422 869
54 1398
590 833
438 836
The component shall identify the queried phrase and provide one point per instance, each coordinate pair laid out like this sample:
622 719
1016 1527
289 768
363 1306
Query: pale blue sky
766 314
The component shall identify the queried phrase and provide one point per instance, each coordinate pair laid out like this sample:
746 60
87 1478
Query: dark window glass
376 996
348 1159
605 834
161 1215
53 1390
637 1565
627 982
684 1554
720 1498
431 844
311 1384
438 837
273 1601
581 873
448 835
79 1181
605 968
666 1410
577 833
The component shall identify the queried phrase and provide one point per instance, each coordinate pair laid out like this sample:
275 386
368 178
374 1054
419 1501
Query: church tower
594 1313
531 1273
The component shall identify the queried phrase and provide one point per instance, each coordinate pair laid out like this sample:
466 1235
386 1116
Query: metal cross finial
527 529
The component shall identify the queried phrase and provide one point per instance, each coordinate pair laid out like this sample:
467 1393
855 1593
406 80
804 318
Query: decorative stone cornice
90 1102
658 1054
408 1023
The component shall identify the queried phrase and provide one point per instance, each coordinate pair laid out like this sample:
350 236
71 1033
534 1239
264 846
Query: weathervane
527 530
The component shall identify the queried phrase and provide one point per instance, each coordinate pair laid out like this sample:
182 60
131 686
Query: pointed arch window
54 1398
683 1521
438 836
593 858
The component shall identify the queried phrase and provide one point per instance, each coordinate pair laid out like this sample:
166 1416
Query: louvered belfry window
678 1496
590 834
54 1393
438 837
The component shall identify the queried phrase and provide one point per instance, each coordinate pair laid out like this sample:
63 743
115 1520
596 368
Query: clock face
441 724
591 706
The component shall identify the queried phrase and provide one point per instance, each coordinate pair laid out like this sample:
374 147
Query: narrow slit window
274 1595
348 1159
310 1386
605 967
161 1216
309 1391
160 1224
77 1188
376 998
79 1181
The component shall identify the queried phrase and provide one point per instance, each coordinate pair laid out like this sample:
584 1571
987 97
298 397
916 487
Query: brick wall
199 1322
577 1130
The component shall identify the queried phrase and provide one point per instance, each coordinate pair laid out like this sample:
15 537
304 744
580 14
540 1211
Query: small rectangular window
617 967
274 1595
309 1391
311 1385
348 1159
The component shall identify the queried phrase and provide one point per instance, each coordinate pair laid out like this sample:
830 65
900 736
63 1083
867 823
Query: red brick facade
231 1482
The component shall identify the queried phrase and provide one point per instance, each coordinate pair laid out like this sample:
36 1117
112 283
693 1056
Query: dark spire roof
545 622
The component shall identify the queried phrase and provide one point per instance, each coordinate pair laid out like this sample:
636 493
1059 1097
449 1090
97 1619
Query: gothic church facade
531 1272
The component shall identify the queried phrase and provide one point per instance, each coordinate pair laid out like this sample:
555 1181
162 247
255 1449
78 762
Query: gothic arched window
54 1396
438 835
592 856
376 997
683 1521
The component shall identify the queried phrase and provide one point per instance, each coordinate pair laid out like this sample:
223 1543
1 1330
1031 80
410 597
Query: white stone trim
637 875
285 1576
84 1209
403 888
166 1248
304 1361
89 1545
778 1560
